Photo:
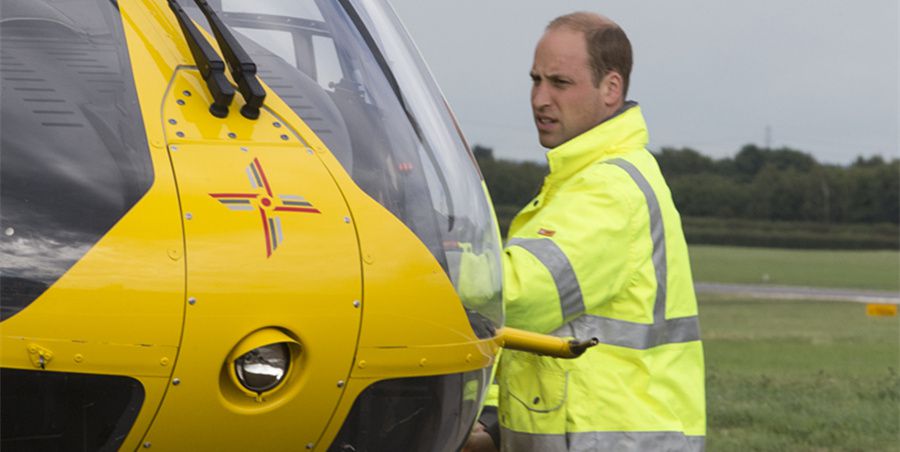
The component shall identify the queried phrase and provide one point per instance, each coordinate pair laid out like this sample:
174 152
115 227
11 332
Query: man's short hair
608 46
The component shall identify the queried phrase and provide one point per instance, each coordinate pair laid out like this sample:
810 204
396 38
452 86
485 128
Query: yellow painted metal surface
268 244
118 310
412 321
249 225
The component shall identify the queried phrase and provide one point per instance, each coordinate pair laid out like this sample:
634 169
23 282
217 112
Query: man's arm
583 262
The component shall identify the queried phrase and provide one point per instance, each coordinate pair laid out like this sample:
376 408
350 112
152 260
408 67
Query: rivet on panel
276 124
173 148
179 134
192 301
176 381
284 137
309 151
309 445
147 445
423 362
232 135
340 383
78 357
346 219
179 102
186 93
355 303
164 362
188 216
362 364
469 358
244 148
172 121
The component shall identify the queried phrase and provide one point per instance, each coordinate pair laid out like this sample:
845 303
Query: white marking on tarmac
799 292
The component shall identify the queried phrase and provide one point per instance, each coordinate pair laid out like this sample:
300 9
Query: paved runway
798 292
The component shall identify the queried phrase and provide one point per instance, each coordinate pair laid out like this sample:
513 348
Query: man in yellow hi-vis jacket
598 253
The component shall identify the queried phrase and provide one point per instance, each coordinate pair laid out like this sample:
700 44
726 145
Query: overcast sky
821 75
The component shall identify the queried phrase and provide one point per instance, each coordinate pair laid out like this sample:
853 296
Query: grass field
873 270
800 376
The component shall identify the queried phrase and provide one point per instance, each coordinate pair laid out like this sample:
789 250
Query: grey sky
712 75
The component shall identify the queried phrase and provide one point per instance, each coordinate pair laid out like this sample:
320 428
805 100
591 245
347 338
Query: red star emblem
266 203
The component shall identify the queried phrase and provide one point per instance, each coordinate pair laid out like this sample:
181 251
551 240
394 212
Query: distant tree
709 195
510 183
757 183
482 153
875 160
786 158
676 162
873 192
749 161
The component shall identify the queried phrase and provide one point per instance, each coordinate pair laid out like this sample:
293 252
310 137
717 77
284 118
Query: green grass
800 376
873 270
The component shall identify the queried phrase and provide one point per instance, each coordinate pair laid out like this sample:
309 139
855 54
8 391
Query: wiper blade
243 69
211 66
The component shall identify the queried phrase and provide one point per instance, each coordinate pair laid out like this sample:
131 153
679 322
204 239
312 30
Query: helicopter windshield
74 151
350 72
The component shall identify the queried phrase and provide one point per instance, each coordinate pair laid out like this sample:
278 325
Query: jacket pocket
532 397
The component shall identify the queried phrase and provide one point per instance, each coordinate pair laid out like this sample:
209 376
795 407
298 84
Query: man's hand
479 440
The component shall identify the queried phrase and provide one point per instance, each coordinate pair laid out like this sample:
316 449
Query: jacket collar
619 134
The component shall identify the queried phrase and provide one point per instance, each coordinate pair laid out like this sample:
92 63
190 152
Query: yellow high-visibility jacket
600 253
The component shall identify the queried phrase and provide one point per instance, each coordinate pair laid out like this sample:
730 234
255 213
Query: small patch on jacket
546 232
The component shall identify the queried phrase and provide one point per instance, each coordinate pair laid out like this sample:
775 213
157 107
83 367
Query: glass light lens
263 368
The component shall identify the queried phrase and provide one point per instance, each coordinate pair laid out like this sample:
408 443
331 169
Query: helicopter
234 225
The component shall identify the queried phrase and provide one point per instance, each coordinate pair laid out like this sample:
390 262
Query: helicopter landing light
262 362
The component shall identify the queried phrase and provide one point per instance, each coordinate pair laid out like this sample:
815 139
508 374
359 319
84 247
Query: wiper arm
243 69
211 66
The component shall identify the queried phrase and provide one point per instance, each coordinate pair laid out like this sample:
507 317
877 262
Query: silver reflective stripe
635 441
657 233
607 330
548 252
601 441
512 441
639 336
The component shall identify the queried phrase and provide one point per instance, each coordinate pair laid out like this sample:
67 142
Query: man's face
564 100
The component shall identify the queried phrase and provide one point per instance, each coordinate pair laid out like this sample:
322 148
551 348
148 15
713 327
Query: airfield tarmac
798 293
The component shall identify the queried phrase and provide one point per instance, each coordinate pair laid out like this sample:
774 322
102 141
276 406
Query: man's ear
611 88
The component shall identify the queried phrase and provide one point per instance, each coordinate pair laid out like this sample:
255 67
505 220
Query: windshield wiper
243 69
211 66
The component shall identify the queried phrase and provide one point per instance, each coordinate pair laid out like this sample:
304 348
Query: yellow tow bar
542 344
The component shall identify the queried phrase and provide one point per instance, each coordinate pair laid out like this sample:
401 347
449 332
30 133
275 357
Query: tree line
757 184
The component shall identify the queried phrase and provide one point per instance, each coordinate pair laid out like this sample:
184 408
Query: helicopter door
272 257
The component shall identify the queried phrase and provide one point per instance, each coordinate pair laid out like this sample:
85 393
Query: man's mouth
545 123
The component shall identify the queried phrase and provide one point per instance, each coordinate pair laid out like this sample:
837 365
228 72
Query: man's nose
540 98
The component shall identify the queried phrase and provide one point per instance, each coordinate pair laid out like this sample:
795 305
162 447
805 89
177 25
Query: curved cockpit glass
74 150
350 72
